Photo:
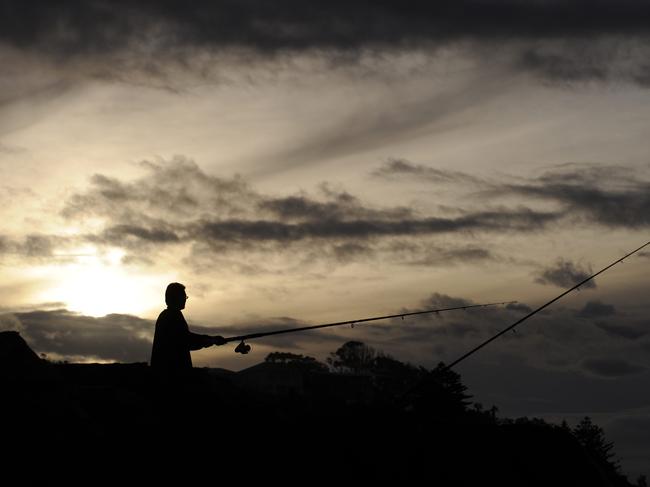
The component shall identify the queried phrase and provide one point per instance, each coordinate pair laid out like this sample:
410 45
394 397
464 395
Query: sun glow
97 284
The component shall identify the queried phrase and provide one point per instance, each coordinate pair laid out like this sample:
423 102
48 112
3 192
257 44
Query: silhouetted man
173 340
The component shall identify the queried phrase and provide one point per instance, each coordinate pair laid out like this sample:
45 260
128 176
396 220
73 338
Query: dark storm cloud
114 337
611 367
596 309
565 40
71 27
565 274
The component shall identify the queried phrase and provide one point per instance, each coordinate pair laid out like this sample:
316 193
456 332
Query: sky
298 163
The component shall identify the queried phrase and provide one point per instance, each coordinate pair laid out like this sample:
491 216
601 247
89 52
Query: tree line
442 393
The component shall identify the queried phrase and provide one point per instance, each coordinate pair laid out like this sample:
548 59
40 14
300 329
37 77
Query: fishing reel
243 348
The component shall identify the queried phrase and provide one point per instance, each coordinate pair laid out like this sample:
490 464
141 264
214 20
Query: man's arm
197 341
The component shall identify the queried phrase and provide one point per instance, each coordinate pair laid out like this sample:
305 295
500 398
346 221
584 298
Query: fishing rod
519 322
244 348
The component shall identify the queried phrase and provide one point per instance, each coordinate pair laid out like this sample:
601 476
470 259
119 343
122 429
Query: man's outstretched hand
218 340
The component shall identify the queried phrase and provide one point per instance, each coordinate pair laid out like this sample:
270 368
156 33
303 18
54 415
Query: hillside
273 421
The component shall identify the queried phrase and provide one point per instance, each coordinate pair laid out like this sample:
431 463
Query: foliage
355 357
592 437
296 360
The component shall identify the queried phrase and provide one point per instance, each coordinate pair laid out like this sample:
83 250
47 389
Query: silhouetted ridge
15 354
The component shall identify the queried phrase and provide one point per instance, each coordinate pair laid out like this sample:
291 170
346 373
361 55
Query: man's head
175 296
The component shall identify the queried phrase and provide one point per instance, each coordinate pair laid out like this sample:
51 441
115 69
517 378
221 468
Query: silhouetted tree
385 364
440 395
452 386
489 415
642 481
296 360
564 426
592 437
353 356
392 377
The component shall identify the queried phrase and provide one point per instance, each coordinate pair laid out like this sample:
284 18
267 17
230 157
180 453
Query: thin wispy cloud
401 168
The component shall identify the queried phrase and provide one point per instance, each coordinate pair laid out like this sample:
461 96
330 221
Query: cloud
432 255
566 274
563 66
132 236
547 341
32 246
611 367
341 206
587 59
61 333
90 28
612 196
555 39
173 190
7 311
631 331
401 168
11 150
176 203
394 118
519 307
596 309
236 230
609 195
557 339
